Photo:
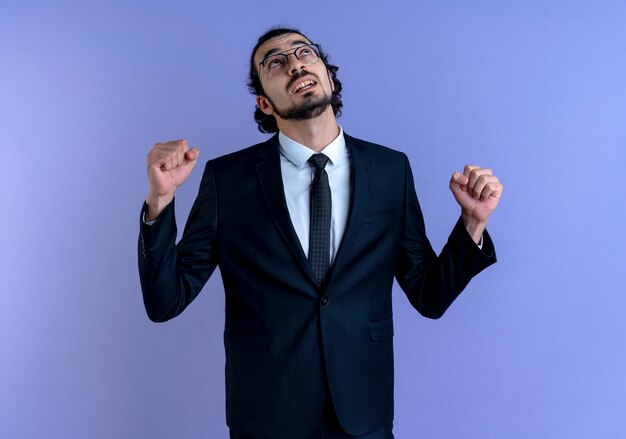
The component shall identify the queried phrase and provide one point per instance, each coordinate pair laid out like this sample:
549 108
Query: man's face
296 91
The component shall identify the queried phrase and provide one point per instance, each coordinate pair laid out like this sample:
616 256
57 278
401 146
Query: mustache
298 75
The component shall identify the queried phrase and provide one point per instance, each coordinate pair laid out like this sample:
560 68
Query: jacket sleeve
432 283
172 274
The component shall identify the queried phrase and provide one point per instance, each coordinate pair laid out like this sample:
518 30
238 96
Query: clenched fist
478 192
169 165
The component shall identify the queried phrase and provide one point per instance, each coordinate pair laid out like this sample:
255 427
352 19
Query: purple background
534 348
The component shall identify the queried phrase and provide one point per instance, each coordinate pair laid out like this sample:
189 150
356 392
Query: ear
264 104
330 79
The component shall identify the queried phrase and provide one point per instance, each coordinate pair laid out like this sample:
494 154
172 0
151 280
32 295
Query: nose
294 63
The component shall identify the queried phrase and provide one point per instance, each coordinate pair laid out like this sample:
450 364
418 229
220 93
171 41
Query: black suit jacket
287 340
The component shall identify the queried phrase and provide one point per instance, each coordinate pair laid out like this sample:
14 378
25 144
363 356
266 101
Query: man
309 229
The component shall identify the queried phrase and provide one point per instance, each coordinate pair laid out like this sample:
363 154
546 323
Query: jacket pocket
247 341
381 329
379 217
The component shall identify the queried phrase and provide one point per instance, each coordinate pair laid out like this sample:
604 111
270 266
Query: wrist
475 228
156 204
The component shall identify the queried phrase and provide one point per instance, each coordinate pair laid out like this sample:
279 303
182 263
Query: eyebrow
275 51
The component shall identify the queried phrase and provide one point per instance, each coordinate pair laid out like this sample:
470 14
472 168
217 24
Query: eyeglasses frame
290 52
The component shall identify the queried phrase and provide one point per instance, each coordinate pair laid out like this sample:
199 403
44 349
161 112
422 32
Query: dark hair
267 124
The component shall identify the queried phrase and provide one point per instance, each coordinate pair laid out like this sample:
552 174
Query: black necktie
319 234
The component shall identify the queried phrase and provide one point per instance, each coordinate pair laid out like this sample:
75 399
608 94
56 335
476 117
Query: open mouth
303 86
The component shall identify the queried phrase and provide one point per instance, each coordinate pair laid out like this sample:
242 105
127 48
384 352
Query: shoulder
251 153
374 150
244 159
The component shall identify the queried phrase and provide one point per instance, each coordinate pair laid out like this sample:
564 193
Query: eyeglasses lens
307 54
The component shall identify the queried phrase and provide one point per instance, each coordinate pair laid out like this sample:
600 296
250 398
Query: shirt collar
298 154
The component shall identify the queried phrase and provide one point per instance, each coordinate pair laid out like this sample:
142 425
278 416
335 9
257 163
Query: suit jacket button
325 300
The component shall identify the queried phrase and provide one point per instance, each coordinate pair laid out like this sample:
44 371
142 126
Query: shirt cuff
149 223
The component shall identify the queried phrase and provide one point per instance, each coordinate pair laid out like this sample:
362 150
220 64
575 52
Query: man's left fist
477 191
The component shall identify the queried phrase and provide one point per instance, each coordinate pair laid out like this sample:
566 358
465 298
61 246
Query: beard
310 108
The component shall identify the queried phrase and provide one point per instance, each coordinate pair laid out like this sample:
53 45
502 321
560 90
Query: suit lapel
359 180
270 177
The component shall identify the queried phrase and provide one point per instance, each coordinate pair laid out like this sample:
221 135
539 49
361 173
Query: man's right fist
169 165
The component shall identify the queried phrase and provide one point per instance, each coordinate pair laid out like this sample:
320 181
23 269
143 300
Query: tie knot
318 161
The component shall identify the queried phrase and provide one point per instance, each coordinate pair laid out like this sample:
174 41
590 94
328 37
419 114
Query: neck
315 133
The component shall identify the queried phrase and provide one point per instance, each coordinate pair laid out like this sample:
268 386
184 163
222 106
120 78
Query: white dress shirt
297 176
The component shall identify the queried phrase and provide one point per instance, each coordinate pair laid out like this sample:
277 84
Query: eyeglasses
307 54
